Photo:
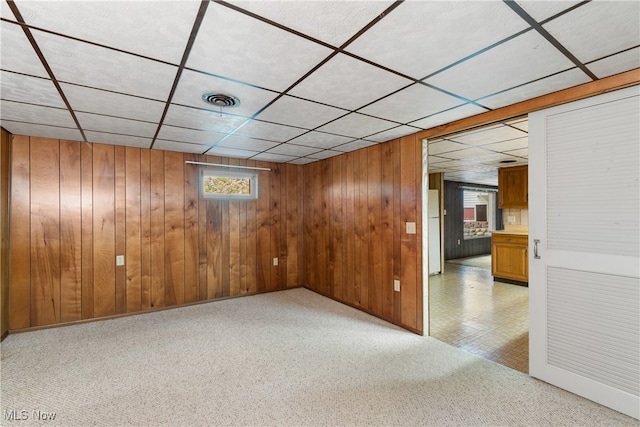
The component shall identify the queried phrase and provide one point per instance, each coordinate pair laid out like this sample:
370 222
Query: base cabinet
509 257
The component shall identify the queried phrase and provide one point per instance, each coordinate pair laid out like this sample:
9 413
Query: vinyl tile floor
470 311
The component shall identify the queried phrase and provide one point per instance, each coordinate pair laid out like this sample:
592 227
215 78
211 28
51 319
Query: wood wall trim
586 90
5 155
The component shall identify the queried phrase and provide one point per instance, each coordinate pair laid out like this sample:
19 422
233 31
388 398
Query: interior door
584 283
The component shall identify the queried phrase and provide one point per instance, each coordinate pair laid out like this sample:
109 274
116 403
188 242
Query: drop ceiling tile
421 37
523 59
325 154
32 90
473 177
16 53
172 133
115 139
488 157
522 124
598 28
134 26
293 150
354 145
357 126
96 122
19 128
268 157
85 64
468 153
348 83
298 112
97 101
231 152
465 110
232 44
320 140
333 22
434 160
202 119
251 144
20 112
445 146
193 85
302 161
550 84
488 135
541 10
615 64
394 133
513 144
183 147
269 131
523 152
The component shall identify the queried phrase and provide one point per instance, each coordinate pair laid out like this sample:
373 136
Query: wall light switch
396 285
119 260
275 261
411 228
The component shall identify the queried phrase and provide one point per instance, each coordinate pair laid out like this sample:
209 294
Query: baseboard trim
6 334
511 282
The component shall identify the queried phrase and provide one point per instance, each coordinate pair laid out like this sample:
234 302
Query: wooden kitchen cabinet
509 256
513 187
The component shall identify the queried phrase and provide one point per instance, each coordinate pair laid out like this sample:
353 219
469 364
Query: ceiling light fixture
507 161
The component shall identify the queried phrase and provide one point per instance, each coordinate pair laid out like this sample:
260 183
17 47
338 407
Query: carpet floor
283 358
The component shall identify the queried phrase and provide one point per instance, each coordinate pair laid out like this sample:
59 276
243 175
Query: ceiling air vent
221 100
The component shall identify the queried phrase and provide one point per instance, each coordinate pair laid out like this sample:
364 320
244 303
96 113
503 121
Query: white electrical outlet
396 285
119 260
411 228
511 219
275 261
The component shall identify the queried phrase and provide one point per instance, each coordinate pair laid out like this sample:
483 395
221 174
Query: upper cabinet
513 187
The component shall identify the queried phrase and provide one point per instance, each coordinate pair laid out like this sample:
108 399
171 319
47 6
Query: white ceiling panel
411 104
32 90
20 112
99 123
231 152
324 154
488 135
332 22
554 83
541 10
523 152
232 44
97 101
183 147
357 126
394 133
115 139
293 150
445 146
460 112
268 157
18 128
304 160
193 85
513 144
433 160
270 131
172 133
142 27
86 64
202 119
298 112
521 60
615 64
421 37
251 144
354 145
348 83
522 124
467 153
320 140
598 29
16 53
486 178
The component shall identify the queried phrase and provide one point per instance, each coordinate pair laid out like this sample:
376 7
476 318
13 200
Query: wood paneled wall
4 232
355 240
75 206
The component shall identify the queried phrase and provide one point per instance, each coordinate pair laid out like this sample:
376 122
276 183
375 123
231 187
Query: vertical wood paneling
20 260
174 228
70 232
252 233
374 213
409 199
104 243
157 229
226 242
133 261
350 250
338 266
386 223
145 229
45 232
263 236
120 226
5 153
191 196
86 151
203 236
234 243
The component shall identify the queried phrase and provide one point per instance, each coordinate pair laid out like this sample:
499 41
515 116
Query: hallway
470 311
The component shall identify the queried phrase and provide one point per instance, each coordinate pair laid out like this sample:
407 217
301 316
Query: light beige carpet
285 358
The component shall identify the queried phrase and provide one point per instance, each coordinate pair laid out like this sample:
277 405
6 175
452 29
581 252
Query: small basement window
229 185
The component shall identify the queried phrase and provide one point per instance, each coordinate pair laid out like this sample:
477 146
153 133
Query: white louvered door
584 211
